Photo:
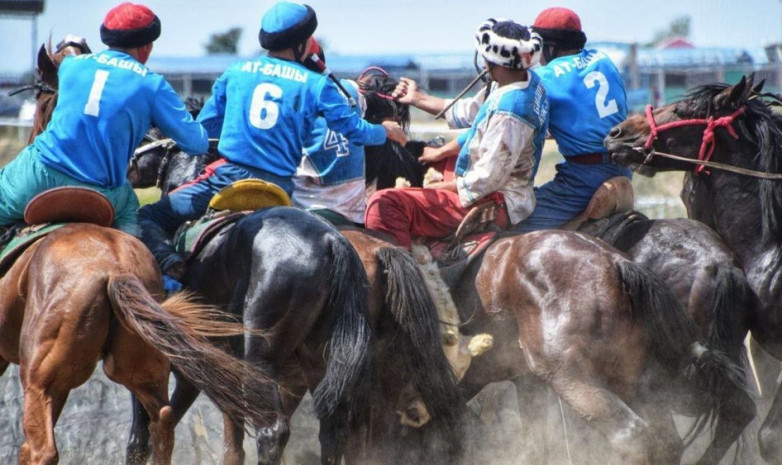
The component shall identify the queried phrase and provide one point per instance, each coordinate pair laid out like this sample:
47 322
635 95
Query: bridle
707 143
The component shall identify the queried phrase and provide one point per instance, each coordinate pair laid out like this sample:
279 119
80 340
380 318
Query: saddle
483 222
228 206
51 210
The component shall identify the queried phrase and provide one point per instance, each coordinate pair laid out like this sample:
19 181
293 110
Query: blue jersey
262 110
107 104
335 158
586 97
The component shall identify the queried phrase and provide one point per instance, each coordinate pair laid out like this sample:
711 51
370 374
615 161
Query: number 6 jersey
262 110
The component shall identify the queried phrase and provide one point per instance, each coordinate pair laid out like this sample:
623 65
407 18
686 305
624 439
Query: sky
401 26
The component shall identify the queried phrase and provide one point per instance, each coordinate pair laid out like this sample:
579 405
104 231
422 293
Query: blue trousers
568 194
160 220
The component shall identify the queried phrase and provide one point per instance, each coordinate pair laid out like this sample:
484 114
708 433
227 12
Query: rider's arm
170 115
343 119
213 112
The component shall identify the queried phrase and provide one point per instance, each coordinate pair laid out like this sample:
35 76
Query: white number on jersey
338 141
264 111
92 107
604 107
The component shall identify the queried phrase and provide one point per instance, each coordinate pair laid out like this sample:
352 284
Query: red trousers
404 213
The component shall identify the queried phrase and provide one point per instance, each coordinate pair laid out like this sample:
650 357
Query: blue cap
287 24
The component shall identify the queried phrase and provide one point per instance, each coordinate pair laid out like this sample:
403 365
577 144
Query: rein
711 164
707 143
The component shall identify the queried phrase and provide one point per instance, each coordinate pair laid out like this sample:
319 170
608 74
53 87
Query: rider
500 153
331 174
261 110
106 103
587 98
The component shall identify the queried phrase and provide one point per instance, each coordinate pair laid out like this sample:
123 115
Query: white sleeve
463 112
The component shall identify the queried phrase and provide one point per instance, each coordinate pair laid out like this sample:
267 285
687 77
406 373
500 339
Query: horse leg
771 431
138 451
144 372
42 407
624 429
532 397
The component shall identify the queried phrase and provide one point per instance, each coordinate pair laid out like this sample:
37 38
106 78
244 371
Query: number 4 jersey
264 109
587 98
107 103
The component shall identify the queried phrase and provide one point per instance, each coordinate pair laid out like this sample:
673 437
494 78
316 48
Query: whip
461 94
325 70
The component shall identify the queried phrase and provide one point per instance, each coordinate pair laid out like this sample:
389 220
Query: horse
403 320
297 282
84 292
727 138
695 263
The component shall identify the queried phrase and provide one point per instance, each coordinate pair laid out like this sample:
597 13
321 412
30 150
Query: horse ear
734 97
758 87
47 70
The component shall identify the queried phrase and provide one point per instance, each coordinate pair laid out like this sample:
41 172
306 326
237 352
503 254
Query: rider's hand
395 132
406 91
431 155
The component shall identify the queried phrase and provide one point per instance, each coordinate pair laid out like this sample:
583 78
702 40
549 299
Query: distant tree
679 27
226 42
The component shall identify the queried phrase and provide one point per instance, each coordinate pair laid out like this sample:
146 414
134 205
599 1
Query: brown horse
693 261
86 293
730 140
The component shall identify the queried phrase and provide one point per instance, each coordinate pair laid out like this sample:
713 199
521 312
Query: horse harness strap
707 143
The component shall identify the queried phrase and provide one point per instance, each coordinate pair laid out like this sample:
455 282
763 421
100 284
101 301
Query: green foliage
679 27
225 42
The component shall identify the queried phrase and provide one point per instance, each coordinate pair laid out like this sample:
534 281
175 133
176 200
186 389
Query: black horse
694 262
266 274
729 139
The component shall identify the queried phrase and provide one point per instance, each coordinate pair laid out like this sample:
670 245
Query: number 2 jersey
107 103
587 98
262 110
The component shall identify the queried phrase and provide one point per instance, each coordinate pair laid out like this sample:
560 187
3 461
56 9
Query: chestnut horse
693 261
85 293
729 139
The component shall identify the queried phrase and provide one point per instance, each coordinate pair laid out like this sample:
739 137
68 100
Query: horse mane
761 126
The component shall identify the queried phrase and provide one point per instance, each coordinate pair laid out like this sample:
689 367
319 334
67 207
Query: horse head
702 126
377 86
46 81
160 163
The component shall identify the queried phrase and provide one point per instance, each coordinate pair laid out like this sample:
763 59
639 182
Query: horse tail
346 383
179 328
408 298
675 340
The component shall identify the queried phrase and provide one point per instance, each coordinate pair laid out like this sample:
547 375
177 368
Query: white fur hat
509 44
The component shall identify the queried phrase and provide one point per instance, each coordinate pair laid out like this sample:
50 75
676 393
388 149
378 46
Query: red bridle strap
707 143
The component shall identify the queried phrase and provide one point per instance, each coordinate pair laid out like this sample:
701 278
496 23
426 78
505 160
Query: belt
597 158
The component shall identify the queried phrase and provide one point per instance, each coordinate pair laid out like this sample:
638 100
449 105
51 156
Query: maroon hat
129 25
560 26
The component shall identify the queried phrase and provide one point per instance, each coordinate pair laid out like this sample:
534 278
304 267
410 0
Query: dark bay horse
693 261
729 139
